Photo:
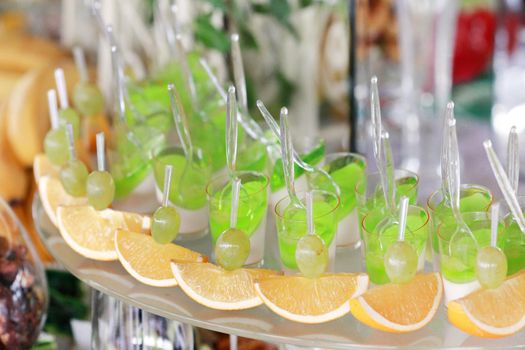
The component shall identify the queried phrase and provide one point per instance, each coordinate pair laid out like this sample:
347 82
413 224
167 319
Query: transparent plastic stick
60 81
454 179
53 108
168 170
375 111
449 115
100 151
80 63
238 71
119 79
310 213
179 117
494 219
71 142
287 158
504 185
188 77
236 187
231 130
403 211
513 159
387 166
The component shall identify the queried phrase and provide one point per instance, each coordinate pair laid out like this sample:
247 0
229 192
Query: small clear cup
291 226
188 189
473 198
458 263
251 215
514 245
346 170
376 245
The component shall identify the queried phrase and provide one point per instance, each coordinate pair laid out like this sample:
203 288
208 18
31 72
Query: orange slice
212 286
491 313
52 194
43 167
311 300
149 261
400 308
91 233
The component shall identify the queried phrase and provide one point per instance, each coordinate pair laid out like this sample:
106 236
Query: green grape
311 256
232 249
491 267
73 176
100 189
56 146
165 224
88 99
401 262
70 116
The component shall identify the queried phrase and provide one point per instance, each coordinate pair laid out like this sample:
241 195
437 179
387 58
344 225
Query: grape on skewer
66 114
74 173
166 220
401 258
87 96
311 254
55 142
100 186
233 245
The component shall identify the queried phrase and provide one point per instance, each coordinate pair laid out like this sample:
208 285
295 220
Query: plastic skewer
53 108
168 170
100 151
71 142
403 211
80 63
494 218
236 187
60 81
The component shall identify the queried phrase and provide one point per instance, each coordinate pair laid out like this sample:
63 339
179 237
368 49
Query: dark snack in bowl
22 301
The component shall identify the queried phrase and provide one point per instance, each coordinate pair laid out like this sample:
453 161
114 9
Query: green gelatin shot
458 263
312 157
292 226
514 248
473 198
377 243
346 178
253 201
188 189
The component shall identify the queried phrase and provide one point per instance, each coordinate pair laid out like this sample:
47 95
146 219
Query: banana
13 179
20 52
27 109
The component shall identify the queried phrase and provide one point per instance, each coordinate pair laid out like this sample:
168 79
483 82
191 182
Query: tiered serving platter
258 323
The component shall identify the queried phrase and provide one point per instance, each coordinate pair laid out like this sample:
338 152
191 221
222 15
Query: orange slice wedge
400 308
491 313
311 300
52 194
149 261
212 286
91 233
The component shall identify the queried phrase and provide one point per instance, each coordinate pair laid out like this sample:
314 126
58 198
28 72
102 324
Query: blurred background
314 56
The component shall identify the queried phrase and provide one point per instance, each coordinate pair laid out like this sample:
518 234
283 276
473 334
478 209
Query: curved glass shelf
258 323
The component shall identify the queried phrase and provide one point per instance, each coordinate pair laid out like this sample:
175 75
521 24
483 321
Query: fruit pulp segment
292 227
253 201
377 244
188 182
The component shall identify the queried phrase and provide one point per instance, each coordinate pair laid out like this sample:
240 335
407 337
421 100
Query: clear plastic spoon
238 72
505 185
449 115
513 159
270 121
188 77
287 159
248 124
459 239
232 131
